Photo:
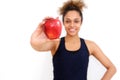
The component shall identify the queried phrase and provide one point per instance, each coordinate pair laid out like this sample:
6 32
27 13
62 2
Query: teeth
72 30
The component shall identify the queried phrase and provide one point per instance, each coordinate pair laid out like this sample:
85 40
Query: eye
67 21
76 21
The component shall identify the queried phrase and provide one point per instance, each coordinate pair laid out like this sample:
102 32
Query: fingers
41 24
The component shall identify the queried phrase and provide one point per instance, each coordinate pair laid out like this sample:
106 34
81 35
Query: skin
72 23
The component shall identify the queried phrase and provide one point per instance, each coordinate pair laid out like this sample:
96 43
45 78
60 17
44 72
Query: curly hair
76 5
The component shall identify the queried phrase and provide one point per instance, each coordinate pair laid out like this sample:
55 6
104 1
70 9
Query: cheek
66 27
78 26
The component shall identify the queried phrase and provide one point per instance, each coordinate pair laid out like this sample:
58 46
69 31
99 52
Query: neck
72 38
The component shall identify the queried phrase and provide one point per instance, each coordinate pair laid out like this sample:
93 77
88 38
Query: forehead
72 15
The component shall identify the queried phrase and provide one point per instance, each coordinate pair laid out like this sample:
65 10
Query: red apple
53 28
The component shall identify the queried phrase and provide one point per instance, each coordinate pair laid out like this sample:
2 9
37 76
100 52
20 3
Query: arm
99 55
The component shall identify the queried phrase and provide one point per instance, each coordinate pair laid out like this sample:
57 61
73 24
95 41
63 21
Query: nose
72 24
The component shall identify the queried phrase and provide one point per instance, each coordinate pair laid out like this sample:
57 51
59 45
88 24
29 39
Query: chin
72 34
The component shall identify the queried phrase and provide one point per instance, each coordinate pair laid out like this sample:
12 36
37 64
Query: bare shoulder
91 46
56 43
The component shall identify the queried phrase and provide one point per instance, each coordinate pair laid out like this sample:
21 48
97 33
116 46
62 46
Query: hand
39 40
39 34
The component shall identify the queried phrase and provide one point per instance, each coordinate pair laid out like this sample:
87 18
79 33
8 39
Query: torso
70 60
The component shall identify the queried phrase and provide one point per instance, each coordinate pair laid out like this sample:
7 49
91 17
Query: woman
71 53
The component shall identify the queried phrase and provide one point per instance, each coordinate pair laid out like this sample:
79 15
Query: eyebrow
74 19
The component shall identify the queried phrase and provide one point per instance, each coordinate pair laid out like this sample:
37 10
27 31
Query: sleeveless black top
70 65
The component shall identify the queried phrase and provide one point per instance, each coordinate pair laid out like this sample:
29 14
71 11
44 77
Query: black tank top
70 65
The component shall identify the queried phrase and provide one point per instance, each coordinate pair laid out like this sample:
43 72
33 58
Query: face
72 23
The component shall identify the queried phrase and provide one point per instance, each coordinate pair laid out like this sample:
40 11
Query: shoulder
56 45
90 42
91 45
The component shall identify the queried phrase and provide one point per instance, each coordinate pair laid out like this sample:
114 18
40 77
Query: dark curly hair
76 5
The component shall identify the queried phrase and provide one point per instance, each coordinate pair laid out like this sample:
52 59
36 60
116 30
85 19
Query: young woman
71 53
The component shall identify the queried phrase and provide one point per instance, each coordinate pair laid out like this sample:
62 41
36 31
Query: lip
72 30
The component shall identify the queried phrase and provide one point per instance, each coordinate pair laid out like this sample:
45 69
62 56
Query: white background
19 18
